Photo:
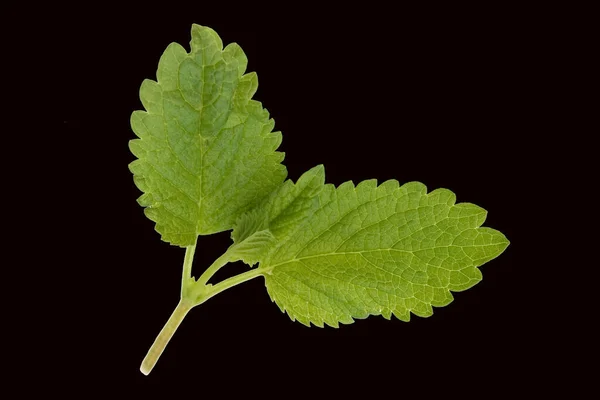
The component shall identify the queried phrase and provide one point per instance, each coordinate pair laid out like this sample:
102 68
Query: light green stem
215 266
164 336
193 293
231 282
186 276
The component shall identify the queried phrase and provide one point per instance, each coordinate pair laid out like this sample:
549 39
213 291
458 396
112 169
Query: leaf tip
319 169
203 36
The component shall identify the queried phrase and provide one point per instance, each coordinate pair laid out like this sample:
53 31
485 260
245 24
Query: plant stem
193 293
215 266
186 275
230 282
165 335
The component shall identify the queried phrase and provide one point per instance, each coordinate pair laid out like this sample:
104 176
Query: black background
442 96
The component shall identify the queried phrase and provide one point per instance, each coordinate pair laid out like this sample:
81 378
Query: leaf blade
367 250
206 152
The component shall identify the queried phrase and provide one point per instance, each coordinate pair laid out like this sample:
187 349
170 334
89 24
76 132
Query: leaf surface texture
206 152
349 252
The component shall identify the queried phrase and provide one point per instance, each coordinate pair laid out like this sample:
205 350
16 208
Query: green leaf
206 152
252 249
354 251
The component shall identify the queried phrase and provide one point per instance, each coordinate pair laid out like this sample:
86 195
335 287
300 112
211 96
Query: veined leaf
354 251
206 151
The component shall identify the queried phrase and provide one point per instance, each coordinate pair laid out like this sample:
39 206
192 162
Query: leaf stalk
193 293
164 336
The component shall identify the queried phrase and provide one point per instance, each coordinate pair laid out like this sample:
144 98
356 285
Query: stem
193 293
186 275
210 271
230 282
164 336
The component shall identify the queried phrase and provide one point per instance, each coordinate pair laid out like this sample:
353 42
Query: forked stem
193 293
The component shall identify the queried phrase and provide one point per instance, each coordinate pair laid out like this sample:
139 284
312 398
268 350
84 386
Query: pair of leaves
207 162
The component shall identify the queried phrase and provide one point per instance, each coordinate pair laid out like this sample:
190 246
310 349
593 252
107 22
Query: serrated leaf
353 251
248 223
253 248
206 151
